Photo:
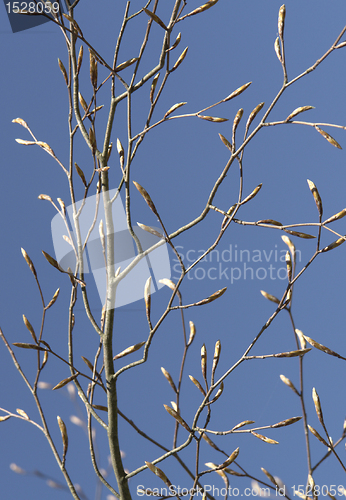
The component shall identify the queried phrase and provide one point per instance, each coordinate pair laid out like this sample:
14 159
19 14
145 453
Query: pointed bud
126 64
167 282
289 384
82 101
80 59
178 418
155 18
214 119
337 216
92 138
236 121
264 438
317 404
197 384
55 296
146 197
147 297
93 69
30 328
301 338
335 244
297 111
29 261
226 142
153 86
202 8
180 59
317 196
252 195
81 174
204 361
174 108
281 20
64 436
289 266
176 43
169 379
192 332
216 358
237 92
109 151
277 49
129 350
63 71
253 115
22 413
328 137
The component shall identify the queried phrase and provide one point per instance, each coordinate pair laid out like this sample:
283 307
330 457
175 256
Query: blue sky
178 163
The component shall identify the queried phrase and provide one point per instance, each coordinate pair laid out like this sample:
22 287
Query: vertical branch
302 401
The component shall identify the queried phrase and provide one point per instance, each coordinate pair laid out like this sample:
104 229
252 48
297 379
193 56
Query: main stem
113 433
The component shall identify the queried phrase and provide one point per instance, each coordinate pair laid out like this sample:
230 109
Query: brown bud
129 350
297 111
109 151
237 92
173 108
169 379
328 137
197 384
216 358
28 260
80 59
264 438
22 413
63 71
92 138
281 20
317 196
335 244
82 101
288 265
30 328
146 197
178 418
180 59
317 404
155 18
64 436
202 8
204 361
153 86
126 64
214 119
147 297
252 195
277 49
226 142
176 43
93 69
192 332
253 115
237 120
337 216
